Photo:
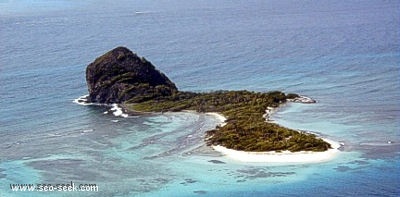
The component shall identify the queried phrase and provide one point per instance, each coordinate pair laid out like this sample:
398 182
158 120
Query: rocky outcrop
120 75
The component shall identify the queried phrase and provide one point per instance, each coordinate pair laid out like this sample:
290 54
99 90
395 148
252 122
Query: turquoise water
346 55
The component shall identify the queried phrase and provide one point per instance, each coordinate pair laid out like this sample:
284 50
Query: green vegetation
120 76
246 128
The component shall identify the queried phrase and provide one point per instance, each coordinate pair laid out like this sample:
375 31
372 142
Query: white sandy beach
219 116
277 157
281 157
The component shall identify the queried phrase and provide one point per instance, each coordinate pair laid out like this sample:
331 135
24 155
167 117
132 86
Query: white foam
220 117
385 143
302 99
54 134
142 12
117 111
268 112
87 130
82 100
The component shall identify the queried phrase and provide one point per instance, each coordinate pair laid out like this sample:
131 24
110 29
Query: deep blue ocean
345 54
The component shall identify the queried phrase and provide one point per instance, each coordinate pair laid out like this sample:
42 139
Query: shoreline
219 117
283 157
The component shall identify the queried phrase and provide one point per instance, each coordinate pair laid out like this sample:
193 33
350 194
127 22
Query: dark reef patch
216 161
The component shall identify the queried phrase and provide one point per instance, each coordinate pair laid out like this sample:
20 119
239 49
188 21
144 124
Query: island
121 76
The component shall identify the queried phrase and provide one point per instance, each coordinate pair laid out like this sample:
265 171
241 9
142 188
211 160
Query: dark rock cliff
120 75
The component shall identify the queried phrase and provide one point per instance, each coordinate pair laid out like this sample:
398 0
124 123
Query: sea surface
344 54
